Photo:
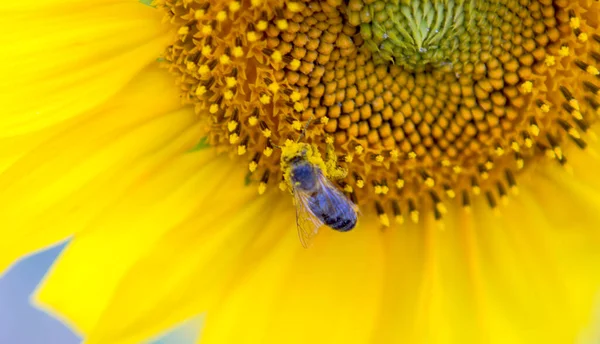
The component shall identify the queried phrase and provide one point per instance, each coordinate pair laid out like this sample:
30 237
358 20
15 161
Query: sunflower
150 135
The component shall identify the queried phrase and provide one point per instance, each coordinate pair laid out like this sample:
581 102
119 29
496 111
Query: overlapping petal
66 57
58 187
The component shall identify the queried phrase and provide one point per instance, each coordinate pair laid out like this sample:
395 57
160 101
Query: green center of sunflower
423 100
421 34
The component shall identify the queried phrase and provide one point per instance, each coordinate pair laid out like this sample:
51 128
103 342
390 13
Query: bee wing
308 223
334 197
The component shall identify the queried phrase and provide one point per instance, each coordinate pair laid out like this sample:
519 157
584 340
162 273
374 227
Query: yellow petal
59 186
175 235
62 60
329 293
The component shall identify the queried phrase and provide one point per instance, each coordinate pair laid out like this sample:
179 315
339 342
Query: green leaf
147 2
202 144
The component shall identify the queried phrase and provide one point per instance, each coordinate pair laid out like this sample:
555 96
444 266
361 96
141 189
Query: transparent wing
308 223
333 197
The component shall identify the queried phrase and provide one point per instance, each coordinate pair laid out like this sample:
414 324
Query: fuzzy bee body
318 200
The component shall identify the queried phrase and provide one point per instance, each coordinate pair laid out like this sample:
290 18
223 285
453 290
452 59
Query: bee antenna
305 128
274 145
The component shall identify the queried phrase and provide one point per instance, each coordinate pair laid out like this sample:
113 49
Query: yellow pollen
206 29
252 36
262 25
282 186
297 125
550 60
224 59
349 158
414 216
200 91
385 221
564 51
359 149
282 24
233 138
324 120
295 7
241 150
232 125
266 133
221 16
184 30
268 151
527 87
203 70
253 120
295 64
276 56
265 99
360 184
206 51
231 81
214 108
262 187
545 108
348 188
582 37
379 158
237 52
252 166
228 95
400 183
198 14
592 70
574 22
234 6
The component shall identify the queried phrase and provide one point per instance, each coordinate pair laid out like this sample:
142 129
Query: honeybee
318 201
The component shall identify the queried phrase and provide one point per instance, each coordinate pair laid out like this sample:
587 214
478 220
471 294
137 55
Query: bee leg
333 170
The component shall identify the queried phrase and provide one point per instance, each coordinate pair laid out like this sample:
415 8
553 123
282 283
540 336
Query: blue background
20 323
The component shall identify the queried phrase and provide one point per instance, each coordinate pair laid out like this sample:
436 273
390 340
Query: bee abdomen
340 223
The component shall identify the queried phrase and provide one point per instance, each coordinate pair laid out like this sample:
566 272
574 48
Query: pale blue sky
22 324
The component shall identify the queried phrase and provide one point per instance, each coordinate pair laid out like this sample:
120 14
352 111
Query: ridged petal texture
95 146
